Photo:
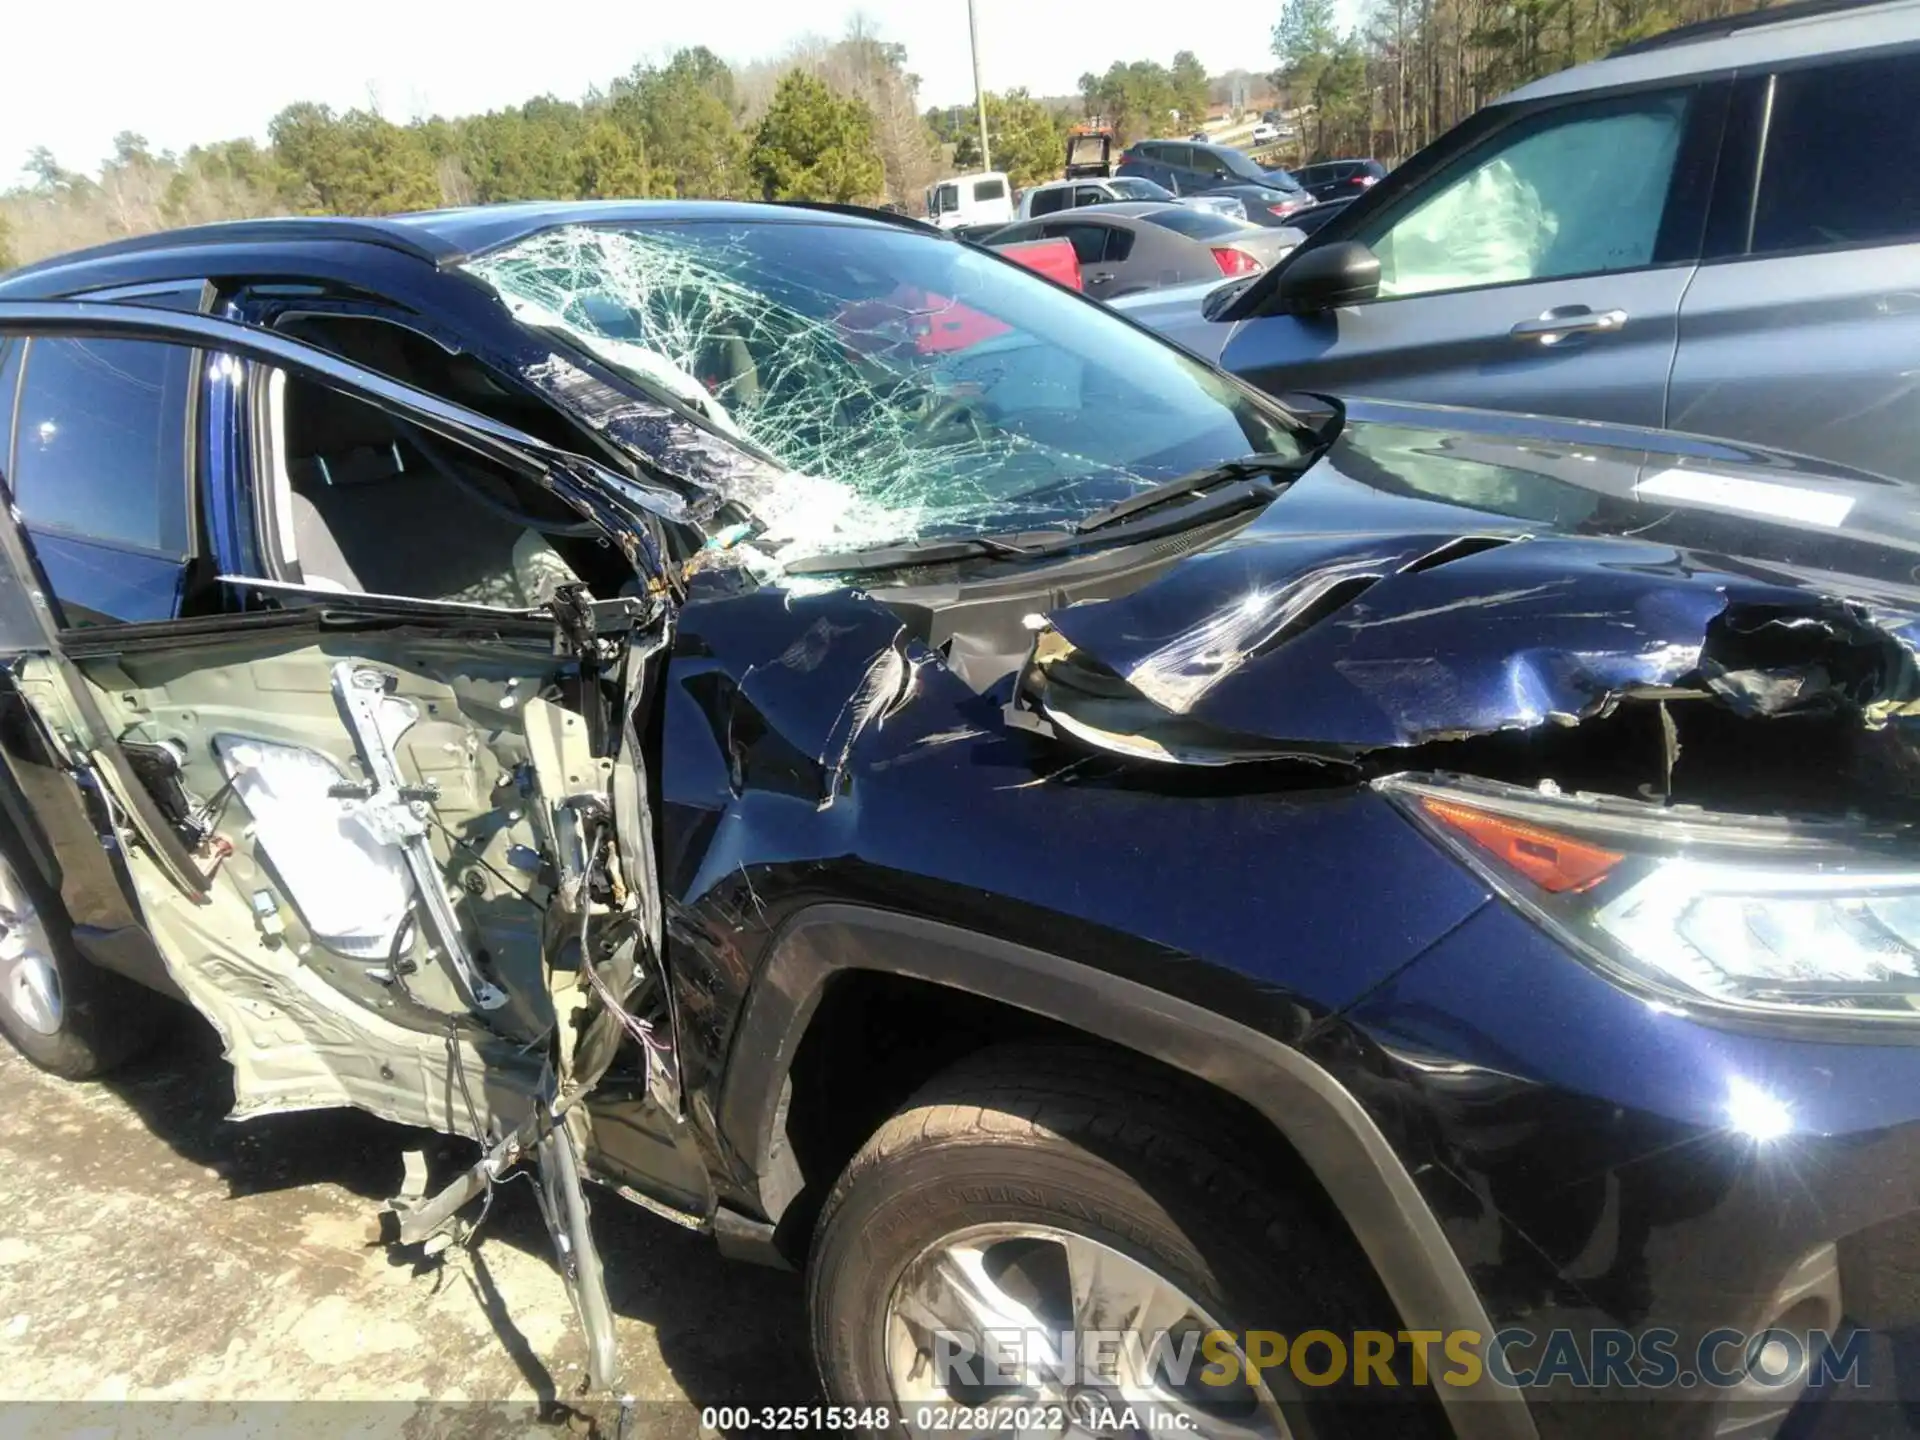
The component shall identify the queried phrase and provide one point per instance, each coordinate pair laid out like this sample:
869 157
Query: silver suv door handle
1556 325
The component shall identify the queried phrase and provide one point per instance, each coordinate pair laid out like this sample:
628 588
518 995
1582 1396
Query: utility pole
979 93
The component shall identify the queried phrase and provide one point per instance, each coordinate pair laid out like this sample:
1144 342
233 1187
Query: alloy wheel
29 978
1063 1337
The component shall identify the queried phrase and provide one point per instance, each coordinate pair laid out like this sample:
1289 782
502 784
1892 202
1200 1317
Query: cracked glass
905 386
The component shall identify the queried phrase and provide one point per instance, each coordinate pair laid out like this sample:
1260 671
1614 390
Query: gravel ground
152 1250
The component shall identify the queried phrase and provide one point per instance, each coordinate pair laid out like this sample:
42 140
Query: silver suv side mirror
1325 277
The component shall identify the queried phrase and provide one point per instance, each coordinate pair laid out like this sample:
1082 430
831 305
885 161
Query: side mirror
1324 277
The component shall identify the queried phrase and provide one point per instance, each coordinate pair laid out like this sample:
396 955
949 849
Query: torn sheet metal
886 686
603 959
1820 652
1342 621
1536 631
712 471
816 681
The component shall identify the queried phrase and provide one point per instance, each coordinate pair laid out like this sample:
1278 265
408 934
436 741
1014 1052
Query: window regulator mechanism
396 812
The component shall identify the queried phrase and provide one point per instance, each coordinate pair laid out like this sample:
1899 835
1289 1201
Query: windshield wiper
896 556
1249 467
1248 480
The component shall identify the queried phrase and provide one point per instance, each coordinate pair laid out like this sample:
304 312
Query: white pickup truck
1052 195
984 198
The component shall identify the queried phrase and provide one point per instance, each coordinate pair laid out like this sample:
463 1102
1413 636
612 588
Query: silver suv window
1575 191
1842 165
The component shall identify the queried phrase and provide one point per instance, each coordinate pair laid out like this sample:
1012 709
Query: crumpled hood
1442 573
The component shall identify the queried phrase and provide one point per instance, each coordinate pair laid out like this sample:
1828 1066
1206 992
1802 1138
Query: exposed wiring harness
641 1030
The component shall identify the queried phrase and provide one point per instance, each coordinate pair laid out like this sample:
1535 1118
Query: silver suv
1715 230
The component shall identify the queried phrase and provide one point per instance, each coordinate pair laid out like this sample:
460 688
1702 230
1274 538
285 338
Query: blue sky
79 71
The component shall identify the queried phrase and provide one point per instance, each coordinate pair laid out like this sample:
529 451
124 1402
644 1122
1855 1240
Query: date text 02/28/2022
931 1419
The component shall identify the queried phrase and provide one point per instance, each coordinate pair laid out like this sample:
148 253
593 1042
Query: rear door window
1842 164
101 468
1094 244
1208 163
990 190
1045 202
102 449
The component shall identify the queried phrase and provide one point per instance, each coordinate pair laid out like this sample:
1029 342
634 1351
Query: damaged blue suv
1179 909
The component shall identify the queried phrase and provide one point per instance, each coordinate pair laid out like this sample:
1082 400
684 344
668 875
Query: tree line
830 120
1415 68
828 125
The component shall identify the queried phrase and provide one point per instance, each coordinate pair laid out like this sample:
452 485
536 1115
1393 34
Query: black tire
1092 1143
103 1019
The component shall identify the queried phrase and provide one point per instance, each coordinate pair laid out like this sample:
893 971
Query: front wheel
1069 1243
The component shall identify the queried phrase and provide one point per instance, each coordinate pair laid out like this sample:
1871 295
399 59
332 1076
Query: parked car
1038 834
1564 252
1134 247
1262 204
977 234
1228 205
1186 168
968 201
1055 195
1313 217
1340 179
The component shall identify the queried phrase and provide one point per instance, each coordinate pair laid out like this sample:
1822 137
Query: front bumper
1607 1167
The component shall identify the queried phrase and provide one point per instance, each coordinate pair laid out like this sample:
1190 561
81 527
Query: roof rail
1727 25
252 232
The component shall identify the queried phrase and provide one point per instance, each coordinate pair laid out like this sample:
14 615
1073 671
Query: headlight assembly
1768 916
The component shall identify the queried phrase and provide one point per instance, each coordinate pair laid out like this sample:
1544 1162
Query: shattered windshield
911 387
